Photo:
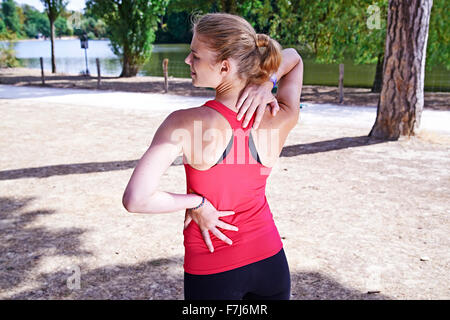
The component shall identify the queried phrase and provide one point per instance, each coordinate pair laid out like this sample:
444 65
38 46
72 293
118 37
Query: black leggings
268 279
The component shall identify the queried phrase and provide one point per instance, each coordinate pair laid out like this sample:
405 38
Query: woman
232 246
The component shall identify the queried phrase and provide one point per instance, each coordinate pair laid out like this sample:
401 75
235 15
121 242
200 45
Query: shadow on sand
89 167
23 248
328 145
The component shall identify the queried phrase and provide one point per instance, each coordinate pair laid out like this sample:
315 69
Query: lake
70 58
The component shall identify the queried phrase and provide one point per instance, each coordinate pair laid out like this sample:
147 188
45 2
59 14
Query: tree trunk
129 69
401 100
376 86
52 42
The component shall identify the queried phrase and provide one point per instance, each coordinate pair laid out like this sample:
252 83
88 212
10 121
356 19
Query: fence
362 76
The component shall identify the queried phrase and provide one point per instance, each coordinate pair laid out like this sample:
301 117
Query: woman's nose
187 60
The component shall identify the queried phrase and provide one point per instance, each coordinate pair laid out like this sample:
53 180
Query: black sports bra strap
230 116
251 145
227 150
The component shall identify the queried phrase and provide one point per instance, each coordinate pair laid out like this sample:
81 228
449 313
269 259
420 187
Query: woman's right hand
255 98
207 218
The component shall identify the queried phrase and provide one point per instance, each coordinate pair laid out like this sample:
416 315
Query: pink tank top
237 183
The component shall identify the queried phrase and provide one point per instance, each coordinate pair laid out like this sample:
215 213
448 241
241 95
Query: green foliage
193 6
2 24
87 23
132 25
331 30
175 28
53 8
32 22
61 27
94 28
258 13
438 49
35 22
8 56
335 30
10 16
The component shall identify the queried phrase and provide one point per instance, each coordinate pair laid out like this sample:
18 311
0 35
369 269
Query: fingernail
211 250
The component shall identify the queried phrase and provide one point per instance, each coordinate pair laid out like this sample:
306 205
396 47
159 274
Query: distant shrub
8 56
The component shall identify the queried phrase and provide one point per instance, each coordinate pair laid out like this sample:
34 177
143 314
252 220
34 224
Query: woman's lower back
257 239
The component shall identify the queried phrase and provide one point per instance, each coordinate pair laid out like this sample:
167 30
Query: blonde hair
257 55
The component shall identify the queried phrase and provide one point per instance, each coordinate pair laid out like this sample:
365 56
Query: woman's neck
229 93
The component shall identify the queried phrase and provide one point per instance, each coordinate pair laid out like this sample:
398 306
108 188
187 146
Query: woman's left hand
207 218
256 98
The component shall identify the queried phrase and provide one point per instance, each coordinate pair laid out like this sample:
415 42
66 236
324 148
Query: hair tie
262 40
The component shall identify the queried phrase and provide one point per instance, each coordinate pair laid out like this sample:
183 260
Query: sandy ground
180 86
355 214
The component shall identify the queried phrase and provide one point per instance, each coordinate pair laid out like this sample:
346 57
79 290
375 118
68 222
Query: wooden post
42 70
97 61
341 83
165 70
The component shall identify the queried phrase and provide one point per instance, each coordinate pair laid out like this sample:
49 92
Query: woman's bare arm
290 75
141 194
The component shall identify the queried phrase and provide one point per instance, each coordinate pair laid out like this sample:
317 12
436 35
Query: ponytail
270 57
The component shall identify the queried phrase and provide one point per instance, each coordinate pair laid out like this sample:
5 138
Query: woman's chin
196 84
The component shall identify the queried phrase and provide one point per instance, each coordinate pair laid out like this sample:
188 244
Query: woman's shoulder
186 118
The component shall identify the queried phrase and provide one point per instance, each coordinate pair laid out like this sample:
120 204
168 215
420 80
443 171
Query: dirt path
355 214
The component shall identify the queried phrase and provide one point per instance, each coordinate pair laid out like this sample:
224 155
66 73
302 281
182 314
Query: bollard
97 61
341 83
165 70
42 70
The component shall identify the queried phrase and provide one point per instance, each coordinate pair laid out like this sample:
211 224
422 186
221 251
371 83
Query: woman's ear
225 68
